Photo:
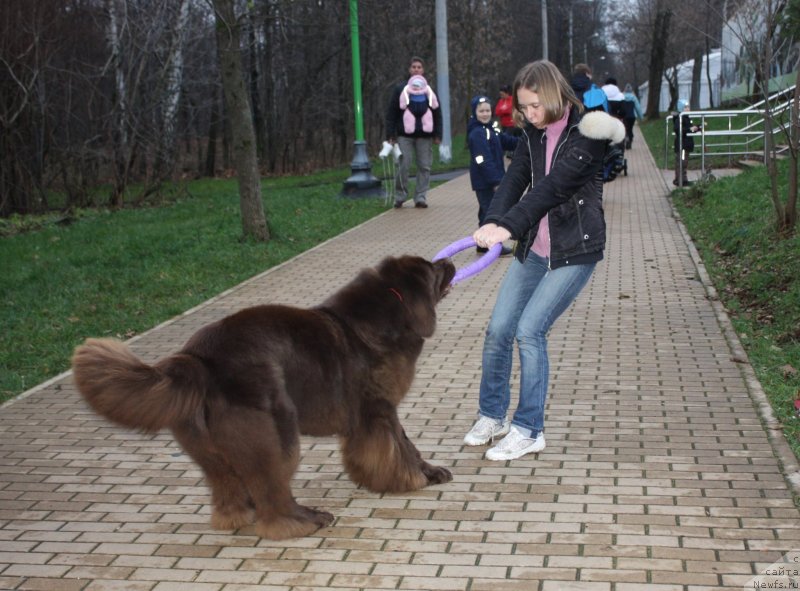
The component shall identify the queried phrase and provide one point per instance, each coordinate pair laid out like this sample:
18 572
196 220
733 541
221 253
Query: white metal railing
746 138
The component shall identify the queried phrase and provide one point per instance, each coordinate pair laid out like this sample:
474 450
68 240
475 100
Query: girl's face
483 113
528 104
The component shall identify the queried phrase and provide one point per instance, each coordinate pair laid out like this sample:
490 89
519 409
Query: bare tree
254 223
120 136
766 38
661 24
173 79
25 57
129 93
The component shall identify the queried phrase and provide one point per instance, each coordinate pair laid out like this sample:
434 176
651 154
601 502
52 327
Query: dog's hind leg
264 449
379 456
232 507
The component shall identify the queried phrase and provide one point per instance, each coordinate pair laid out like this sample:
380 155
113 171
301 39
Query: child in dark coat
684 143
486 147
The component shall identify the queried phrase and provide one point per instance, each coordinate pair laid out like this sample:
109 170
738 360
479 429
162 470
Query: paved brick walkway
658 472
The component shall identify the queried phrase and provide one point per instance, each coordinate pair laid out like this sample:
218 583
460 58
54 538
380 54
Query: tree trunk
657 56
255 95
172 93
769 122
794 144
697 74
709 81
120 102
254 223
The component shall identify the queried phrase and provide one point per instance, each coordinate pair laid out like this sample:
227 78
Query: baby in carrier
416 101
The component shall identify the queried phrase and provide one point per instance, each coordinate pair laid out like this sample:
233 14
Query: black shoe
421 204
505 251
481 250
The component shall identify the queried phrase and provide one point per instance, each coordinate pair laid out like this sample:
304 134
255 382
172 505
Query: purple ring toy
473 268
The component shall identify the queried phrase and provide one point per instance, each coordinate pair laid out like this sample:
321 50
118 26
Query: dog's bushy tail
122 388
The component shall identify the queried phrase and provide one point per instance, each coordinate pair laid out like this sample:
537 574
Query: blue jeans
530 300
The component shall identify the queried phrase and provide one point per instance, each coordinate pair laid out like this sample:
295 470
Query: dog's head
419 285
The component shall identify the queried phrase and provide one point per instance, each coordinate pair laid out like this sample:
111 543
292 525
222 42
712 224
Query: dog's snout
445 271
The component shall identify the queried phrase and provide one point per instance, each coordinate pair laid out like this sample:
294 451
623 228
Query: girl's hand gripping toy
473 268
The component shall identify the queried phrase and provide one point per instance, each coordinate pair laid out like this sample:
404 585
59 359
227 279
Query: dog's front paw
437 474
321 518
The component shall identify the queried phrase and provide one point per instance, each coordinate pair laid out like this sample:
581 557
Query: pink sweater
541 245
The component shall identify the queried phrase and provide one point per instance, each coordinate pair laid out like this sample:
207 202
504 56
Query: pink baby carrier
416 101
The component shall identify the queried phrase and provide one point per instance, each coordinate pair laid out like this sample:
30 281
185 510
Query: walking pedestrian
631 111
415 141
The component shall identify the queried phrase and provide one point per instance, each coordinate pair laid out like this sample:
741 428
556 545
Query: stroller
614 162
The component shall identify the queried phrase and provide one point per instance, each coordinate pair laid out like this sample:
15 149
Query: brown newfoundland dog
243 389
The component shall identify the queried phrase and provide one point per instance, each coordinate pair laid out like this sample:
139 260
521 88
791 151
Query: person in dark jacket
684 143
631 111
486 165
581 80
550 202
416 142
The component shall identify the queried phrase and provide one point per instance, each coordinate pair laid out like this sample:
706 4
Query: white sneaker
485 430
515 445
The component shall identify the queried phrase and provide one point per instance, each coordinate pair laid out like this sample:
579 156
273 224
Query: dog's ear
423 314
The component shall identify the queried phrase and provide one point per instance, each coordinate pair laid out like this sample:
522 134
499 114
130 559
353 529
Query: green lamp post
361 183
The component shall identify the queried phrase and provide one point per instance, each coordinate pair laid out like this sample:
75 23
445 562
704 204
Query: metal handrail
774 97
737 141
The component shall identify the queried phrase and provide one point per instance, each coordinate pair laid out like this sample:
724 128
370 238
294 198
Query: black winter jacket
572 193
684 126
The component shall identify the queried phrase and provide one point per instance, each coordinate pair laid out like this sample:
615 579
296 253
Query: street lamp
586 47
544 29
443 79
361 183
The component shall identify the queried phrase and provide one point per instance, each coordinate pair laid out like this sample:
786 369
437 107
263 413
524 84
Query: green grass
756 274
96 272
121 273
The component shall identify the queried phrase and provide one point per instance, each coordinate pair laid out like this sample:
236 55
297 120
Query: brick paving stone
50 584
658 474
163 574
193 586
231 579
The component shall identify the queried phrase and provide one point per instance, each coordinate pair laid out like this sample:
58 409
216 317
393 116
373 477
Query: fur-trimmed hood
599 125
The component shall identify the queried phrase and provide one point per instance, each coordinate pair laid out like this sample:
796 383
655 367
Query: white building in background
747 26
711 63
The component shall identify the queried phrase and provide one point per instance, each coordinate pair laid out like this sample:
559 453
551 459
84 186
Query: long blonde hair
555 93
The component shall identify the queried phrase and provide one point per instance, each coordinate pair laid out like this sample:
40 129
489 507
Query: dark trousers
629 131
484 200
681 166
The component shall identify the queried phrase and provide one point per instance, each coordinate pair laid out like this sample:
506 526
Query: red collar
397 293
